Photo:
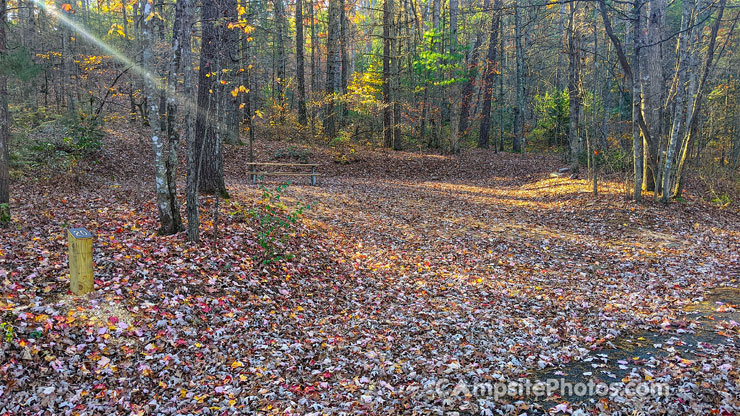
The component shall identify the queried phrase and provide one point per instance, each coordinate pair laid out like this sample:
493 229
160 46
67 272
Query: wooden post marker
80 261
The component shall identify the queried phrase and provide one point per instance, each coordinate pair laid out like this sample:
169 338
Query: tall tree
332 68
652 85
4 124
300 70
387 50
574 87
490 74
169 215
517 145
680 98
208 146
191 187
280 34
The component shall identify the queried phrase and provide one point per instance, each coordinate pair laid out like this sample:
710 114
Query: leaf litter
410 270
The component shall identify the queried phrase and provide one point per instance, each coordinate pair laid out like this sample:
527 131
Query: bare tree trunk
4 126
344 40
574 87
300 70
637 99
518 145
69 69
631 72
173 137
314 45
164 202
488 79
332 68
697 101
387 50
189 128
396 85
652 85
207 138
281 30
680 101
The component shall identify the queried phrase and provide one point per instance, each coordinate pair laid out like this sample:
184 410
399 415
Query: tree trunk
637 140
4 126
396 85
344 40
191 187
519 107
173 137
695 107
332 68
207 138
167 223
489 78
574 89
68 64
300 71
652 85
680 100
387 50
281 30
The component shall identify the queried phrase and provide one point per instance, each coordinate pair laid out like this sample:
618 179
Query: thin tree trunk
164 202
574 90
300 71
680 101
4 126
173 137
387 50
332 68
697 101
343 41
189 128
519 107
281 30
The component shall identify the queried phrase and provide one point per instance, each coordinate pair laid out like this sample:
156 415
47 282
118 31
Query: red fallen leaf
113 320
100 386
119 230
326 374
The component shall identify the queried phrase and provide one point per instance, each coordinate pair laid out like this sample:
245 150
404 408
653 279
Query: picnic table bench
259 169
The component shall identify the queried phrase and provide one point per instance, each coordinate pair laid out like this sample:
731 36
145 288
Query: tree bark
680 100
191 186
208 145
332 68
519 107
489 78
387 50
300 70
653 86
281 30
168 224
4 125
574 88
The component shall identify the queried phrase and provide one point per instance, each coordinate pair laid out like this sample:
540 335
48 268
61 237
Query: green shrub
275 223
84 134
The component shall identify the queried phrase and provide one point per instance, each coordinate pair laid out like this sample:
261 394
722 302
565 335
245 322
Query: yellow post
80 261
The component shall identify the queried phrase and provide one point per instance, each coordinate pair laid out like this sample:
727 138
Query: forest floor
413 276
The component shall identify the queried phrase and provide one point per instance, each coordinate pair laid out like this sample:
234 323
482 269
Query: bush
275 223
83 134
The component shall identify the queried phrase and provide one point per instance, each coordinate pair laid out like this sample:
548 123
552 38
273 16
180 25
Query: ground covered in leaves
409 276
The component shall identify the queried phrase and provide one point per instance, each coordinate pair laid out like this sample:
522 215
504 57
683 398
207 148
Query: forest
375 207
